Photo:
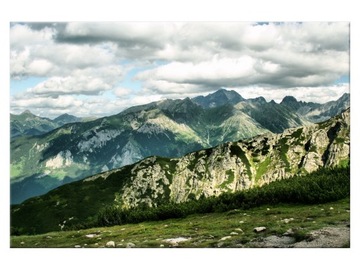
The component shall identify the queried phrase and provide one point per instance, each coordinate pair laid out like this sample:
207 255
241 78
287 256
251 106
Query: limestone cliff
239 165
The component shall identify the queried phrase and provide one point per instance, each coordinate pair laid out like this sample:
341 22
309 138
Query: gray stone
130 245
289 232
287 220
225 238
259 229
110 244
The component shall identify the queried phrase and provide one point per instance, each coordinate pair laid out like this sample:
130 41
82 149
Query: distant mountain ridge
316 112
66 119
218 98
228 167
168 128
29 124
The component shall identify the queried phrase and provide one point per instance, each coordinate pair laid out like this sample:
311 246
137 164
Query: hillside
316 226
27 123
168 128
228 167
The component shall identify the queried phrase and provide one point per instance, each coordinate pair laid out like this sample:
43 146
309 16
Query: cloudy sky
97 69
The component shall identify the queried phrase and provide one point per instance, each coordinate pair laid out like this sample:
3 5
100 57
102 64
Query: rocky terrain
280 226
229 167
168 128
239 165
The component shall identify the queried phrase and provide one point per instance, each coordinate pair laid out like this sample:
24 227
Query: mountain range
227 167
168 128
27 123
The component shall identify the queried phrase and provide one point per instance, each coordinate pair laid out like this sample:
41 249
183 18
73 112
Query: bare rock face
239 165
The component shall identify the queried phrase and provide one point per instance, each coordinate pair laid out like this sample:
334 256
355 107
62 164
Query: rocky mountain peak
27 112
290 102
219 98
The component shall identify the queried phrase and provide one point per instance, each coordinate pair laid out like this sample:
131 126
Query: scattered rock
175 241
239 230
288 232
96 244
233 233
123 229
331 208
77 246
273 241
287 220
110 244
268 209
259 229
22 243
161 245
130 245
241 221
166 225
48 237
220 244
90 235
329 237
225 238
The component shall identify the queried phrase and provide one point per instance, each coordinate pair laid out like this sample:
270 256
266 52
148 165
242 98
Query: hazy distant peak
27 112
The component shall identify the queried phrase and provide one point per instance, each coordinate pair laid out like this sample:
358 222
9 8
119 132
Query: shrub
322 186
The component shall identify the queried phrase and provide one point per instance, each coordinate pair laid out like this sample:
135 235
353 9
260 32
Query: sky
101 68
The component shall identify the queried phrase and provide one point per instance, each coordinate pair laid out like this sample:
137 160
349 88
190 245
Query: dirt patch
328 237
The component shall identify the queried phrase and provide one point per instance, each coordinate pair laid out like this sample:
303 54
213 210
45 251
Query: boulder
259 229
110 244
130 245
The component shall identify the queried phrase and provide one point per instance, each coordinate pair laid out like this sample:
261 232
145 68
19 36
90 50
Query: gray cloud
92 58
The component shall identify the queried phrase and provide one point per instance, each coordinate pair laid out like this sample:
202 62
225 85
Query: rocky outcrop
239 165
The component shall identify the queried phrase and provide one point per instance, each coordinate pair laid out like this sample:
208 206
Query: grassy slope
82 202
205 230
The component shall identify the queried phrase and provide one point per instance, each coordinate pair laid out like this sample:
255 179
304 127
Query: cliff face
239 165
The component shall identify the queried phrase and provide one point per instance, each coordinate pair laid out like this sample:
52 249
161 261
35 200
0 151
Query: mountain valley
228 167
168 128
